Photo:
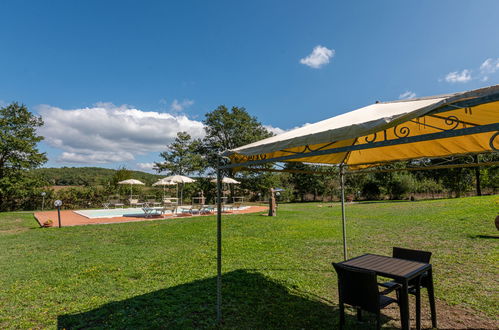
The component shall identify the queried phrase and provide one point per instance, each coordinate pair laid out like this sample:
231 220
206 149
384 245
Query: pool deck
70 218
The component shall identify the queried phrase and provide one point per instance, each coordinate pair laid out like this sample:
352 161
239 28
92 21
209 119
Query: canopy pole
219 243
343 220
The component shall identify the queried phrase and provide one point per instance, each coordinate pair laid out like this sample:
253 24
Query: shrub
401 185
370 190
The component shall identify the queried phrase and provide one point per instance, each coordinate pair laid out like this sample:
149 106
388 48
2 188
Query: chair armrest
392 287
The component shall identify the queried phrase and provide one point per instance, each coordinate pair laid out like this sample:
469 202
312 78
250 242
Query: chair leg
342 315
359 314
400 309
418 308
431 295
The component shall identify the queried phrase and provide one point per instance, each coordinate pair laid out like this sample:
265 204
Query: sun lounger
185 209
135 202
200 209
170 201
152 202
150 211
116 203
227 207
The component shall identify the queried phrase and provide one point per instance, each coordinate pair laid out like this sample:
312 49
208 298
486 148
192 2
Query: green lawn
277 270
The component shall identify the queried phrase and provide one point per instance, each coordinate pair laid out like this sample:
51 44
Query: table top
388 266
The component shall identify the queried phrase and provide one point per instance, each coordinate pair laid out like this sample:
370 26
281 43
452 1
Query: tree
307 183
18 153
228 129
121 174
182 157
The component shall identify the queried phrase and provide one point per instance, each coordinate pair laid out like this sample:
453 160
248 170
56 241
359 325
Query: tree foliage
228 129
91 176
182 156
18 153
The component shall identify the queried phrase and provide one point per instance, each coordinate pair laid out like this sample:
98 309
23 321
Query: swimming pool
128 212
111 213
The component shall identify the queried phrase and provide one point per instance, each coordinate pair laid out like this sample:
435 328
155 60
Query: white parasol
131 182
179 179
163 182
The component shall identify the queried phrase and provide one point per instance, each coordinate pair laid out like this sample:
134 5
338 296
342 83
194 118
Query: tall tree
228 129
182 156
18 151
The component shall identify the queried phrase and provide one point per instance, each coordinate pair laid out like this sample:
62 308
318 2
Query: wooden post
272 203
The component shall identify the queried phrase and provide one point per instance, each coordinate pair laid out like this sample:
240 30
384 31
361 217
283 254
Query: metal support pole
182 194
219 244
343 220
59 215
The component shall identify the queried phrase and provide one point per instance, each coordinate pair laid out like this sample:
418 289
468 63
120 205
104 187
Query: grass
277 270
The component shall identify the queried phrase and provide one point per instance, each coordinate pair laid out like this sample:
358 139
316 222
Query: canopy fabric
388 121
131 181
163 182
227 180
179 179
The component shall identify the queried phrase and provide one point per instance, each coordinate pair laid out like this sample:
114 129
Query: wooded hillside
88 176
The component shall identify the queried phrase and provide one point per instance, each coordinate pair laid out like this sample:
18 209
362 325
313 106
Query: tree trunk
477 175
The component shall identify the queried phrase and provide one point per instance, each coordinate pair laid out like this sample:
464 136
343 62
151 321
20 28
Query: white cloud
106 133
407 95
488 67
275 130
319 57
177 106
94 157
456 76
145 166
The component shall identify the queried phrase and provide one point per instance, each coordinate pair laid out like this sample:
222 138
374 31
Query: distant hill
88 176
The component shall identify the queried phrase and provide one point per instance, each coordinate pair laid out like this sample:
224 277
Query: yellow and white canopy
436 126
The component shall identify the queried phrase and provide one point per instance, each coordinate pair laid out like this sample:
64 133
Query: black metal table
402 271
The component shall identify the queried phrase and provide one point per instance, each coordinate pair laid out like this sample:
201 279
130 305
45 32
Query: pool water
111 213
121 212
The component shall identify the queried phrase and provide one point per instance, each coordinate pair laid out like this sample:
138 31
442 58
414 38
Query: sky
116 80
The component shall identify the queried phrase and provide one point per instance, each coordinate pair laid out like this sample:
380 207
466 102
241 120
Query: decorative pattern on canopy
437 126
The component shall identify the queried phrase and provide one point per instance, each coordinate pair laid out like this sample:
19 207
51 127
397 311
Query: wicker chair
359 288
416 284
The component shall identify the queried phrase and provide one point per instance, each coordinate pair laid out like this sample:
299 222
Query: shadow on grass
250 300
484 236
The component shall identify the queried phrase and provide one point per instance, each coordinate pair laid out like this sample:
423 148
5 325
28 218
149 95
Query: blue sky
115 80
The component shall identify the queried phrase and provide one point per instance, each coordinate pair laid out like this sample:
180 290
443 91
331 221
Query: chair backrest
358 287
413 255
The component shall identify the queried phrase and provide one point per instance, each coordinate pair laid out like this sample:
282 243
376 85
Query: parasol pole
219 243
343 218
